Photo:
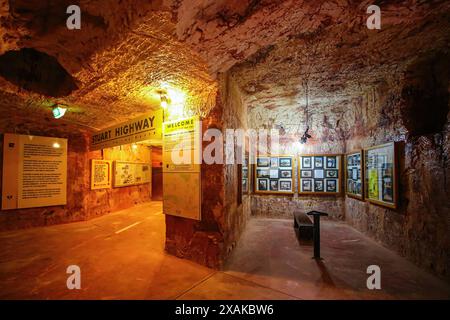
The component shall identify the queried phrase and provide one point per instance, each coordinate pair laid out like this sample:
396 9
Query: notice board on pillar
34 171
181 168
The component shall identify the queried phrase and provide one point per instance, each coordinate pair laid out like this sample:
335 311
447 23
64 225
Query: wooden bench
303 226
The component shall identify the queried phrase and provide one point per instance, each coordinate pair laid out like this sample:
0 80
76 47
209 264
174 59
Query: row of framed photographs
368 174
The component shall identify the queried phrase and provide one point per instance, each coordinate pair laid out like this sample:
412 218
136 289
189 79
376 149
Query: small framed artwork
319 174
286 162
306 163
273 173
331 173
273 185
262 162
286 185
318 185
262 173
331 162
331 185
286 173
274 162
306 173
245 185
307 185
318 162
380 175
262 184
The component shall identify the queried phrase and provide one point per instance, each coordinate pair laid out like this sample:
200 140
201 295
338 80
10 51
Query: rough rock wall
234 117
210 241
82 203
413 110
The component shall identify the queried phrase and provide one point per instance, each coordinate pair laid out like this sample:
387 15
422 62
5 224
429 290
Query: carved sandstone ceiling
126 49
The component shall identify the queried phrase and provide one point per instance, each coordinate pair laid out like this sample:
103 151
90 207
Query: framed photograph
318 162
331 185
262 162
318 185
353 174
380 179
286 162
273 173
262 184
307 185
286 185
273 185
286 174
306 163
306 173
331 173
274 162
331 162
314 172
318 174
244 185
262 173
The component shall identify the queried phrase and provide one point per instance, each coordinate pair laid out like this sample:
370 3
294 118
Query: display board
182 147
354 175
380 175
101 174
319 174
147 127
274 174
131 173
34 171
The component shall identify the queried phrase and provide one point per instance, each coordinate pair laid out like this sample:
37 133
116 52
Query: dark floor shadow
324 274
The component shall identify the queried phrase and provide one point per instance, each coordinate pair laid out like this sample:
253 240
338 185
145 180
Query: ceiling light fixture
58 111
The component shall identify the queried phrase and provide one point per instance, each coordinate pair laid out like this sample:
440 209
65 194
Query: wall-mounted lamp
58 111
164 102
305 136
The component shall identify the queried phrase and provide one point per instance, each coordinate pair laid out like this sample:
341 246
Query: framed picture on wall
319 174
246 175
380 185
354 178
273 174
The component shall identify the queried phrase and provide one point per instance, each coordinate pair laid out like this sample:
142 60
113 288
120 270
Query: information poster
101 174
34 171
131 173
319 174
182 145
354 175
273 174
381 183
181 168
